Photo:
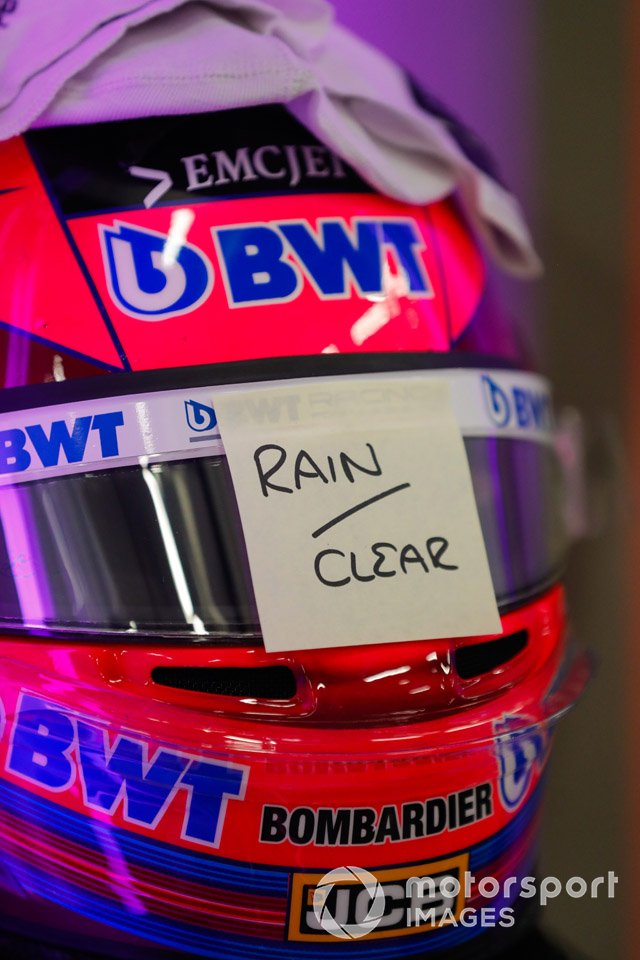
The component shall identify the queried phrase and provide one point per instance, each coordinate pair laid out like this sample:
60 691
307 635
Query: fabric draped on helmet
172 57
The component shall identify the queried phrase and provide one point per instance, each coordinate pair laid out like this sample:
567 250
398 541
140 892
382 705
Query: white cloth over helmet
82 62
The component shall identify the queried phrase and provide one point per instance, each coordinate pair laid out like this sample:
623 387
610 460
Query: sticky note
358 511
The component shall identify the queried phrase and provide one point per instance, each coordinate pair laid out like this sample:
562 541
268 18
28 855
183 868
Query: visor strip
146 428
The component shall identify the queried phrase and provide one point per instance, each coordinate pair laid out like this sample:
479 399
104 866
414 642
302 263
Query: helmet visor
153 543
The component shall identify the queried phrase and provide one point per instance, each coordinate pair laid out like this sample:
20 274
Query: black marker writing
333 569
270 458
359 506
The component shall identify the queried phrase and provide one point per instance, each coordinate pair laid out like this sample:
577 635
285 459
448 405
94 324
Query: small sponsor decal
521 757
351 903
517 405
357 826
201 418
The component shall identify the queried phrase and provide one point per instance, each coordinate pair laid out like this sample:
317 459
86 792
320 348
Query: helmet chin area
138 810
343 687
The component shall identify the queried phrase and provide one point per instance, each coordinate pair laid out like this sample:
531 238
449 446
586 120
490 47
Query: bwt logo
53 749
521 754
516 406
201 418
61 441
146 283
350 902
260 263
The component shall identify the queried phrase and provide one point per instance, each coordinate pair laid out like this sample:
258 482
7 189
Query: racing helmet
171 784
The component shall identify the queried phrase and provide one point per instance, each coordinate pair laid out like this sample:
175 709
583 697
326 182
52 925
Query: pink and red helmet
168 786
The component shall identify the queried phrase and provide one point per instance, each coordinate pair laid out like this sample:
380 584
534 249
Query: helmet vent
255 683
479 658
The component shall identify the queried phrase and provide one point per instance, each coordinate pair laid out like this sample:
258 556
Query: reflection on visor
159 548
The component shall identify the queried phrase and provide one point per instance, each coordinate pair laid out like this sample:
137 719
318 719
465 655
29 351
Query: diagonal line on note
358 506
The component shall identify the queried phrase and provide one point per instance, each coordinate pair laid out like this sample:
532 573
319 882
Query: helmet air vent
255 683
480 658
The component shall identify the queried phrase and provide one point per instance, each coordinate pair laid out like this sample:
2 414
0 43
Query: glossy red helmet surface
168 784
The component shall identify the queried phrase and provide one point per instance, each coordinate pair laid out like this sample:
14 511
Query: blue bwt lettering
255 268
119 775
210 785
61 444
532 409
404 238
262 263
42 739
13 456
49 746
106 425
326 257
49 448
517 406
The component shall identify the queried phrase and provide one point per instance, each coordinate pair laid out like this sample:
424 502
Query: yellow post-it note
358 511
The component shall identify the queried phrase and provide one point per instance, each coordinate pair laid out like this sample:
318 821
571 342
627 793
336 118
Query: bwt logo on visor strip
177 424
201 418
58 442
260 263
517 404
